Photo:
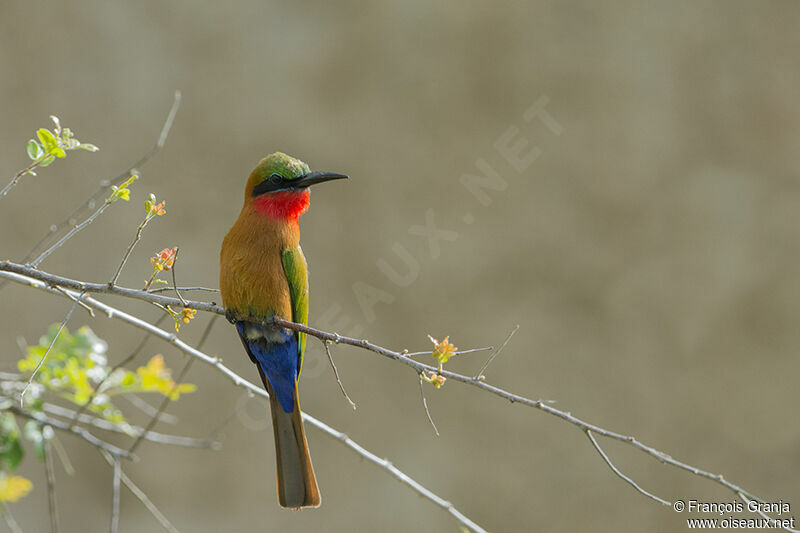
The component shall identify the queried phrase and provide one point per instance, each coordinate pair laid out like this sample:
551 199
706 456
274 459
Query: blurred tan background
650 254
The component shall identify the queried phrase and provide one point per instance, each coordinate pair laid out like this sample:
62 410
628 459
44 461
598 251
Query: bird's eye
275 178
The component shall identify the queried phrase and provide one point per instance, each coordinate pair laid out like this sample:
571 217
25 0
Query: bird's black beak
278 183
307 180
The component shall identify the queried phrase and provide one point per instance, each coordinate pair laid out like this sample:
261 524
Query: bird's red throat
283 205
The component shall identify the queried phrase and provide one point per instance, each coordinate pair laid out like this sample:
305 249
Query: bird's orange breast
252 279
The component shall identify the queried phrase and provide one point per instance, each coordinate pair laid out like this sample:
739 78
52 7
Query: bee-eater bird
263 274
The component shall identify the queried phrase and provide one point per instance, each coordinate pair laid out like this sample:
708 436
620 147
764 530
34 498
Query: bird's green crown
281 164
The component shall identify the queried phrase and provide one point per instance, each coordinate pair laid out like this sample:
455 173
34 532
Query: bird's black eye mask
276 182
273 183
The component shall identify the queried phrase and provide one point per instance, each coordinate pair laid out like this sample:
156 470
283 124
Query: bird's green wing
296 270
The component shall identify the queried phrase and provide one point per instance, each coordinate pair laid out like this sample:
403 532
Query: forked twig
620 474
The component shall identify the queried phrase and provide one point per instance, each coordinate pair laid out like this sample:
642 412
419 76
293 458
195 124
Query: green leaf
88 147
34 150
47 139
11 452
47 160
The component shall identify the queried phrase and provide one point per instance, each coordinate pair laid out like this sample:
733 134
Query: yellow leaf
443 351
47 139
12 488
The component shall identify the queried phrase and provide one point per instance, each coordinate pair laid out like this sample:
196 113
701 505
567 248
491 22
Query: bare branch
184 289
162 139
149 410
62 455
101 423
326 344
76 300
18 176
52 280
9 519
131 246
114 527
167 398
459 352
139 493
70 233
620 474
764 515
50 476
63 426
26 276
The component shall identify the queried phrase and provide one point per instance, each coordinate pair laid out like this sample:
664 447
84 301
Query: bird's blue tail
275 352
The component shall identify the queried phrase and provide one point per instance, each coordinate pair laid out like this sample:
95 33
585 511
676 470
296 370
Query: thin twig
488 362
101 423
70 233
459 352
175 283
98 288
9 519
106 185
326 344
52 343
50 475
19 175
86 307
764 515
184 289
176 103
425 404
620 474
149 410
139 493
114 527
131 246
62 455
64 426
177 381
